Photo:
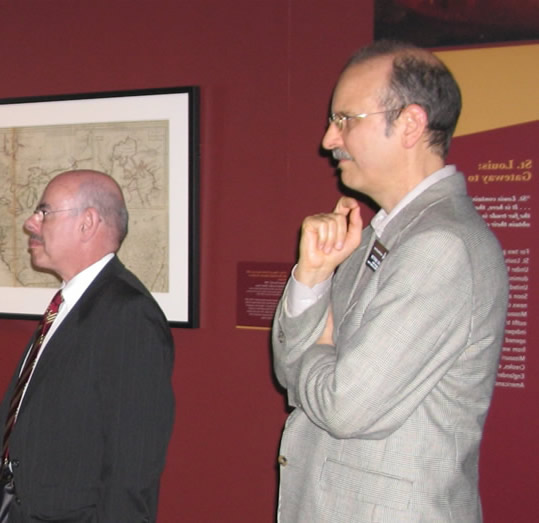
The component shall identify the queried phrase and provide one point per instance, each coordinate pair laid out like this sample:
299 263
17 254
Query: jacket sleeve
388 354
292 336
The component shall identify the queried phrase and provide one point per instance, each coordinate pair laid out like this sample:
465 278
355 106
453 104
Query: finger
336 232
322 229
345 205
327 235
355 228
341 231
354 218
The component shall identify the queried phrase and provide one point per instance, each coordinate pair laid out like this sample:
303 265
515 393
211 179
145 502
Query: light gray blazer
387 424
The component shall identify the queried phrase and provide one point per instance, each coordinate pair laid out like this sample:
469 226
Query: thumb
355 227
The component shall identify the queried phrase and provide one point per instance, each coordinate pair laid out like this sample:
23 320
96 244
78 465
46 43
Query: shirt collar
75 287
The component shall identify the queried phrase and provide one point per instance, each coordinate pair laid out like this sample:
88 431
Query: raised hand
327 240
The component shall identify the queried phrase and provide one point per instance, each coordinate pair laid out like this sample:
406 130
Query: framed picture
148 141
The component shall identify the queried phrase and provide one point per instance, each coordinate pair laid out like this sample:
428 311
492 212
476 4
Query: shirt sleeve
300 296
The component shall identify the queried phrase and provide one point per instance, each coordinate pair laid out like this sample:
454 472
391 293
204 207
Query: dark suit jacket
90 441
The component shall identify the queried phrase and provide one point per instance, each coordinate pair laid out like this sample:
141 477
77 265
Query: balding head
101 192
80 218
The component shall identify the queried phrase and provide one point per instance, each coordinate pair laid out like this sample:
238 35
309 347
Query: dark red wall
266 70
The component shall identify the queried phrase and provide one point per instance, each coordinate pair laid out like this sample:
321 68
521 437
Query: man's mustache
36 237
340 154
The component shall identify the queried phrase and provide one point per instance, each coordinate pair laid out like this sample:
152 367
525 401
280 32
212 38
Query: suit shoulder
119 287
457 216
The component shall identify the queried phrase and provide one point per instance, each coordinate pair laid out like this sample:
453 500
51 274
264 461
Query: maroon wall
265 70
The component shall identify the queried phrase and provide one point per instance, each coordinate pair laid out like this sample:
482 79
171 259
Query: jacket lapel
64 338
354 275
450 186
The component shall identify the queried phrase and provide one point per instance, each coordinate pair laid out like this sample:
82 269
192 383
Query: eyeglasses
41 213
340 119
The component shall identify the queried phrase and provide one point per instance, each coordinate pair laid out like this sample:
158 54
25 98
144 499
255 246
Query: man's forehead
59 189
375 71
360 84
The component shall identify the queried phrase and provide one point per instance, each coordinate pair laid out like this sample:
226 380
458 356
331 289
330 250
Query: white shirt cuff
300 297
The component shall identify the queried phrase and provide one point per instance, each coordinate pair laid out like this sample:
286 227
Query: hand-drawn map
135 154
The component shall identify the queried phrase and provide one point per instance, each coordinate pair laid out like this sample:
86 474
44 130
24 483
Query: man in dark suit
89 439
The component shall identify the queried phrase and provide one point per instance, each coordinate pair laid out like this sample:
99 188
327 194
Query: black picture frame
149 139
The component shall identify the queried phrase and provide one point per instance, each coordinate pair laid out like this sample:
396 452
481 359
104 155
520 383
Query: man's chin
37 261
349 179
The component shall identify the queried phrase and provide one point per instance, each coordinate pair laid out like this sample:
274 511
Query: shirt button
282 460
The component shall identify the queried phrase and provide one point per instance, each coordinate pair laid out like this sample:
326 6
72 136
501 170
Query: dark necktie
43 328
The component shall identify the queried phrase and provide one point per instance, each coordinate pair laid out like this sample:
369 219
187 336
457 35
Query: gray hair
108 201
418 77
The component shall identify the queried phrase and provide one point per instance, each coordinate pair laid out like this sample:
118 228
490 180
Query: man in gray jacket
387 339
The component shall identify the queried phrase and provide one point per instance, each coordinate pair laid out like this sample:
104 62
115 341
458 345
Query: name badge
376 256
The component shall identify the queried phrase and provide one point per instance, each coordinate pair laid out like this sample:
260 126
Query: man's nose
332 138
32 223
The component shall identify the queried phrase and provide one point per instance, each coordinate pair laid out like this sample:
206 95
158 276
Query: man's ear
414 121
89 223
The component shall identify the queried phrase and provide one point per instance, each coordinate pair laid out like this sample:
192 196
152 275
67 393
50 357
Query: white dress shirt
71 292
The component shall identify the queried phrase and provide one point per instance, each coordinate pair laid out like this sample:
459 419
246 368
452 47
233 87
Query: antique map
134 153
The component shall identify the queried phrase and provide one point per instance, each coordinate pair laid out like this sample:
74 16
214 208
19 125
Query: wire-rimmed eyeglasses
41 213
340 119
